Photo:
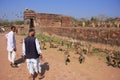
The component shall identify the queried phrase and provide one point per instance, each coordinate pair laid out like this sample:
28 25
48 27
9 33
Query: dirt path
54 68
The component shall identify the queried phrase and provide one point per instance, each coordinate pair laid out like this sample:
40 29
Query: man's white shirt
11 42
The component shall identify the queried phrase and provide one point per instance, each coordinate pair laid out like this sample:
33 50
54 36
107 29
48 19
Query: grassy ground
95 51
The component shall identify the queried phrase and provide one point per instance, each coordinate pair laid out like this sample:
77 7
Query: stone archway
29 17
31 23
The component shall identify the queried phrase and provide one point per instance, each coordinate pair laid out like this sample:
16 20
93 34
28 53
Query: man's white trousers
11 56
33 65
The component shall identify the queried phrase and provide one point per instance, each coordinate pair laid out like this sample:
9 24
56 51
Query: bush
53 39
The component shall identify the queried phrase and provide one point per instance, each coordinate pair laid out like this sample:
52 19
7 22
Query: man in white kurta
31 51
11 46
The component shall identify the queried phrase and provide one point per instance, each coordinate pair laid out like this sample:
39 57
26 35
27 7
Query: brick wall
106 36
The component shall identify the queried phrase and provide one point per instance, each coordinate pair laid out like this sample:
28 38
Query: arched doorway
31 23
29 17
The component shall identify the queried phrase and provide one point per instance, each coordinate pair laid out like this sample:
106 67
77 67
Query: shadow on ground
44 67
20 60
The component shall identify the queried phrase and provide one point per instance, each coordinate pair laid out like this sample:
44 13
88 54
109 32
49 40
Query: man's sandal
41 77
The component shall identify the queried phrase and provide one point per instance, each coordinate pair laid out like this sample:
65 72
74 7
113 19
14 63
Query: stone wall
106 36
45 19
62 26
52 20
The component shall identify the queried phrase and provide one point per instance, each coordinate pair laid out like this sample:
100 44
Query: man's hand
14 49
23 57
41 58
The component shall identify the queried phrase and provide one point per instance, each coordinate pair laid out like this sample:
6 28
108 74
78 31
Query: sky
13 9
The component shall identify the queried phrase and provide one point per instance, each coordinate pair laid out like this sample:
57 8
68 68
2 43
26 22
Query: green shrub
53 39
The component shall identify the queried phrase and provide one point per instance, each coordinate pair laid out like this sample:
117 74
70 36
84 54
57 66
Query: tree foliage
9 23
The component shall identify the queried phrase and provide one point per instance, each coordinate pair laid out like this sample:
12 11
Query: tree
19 22
10 23
93 19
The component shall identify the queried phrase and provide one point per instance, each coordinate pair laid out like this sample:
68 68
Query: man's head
13 28
31 32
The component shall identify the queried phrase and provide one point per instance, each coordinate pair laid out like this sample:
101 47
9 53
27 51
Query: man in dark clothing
32 52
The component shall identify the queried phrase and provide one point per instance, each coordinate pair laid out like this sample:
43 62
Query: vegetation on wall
88 21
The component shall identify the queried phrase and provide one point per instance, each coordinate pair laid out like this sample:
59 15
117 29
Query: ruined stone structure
54 24
117 22
102 38
103 35
52 20
37 20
